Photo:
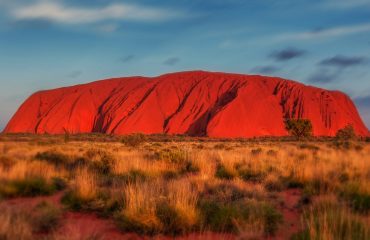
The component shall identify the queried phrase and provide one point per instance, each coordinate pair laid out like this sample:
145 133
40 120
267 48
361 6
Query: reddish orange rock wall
195 103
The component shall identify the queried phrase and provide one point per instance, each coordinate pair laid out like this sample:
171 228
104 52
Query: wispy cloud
331 69
343 61
325 32
324 76
287 54
57 12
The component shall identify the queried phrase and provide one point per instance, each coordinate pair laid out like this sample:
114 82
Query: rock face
194 103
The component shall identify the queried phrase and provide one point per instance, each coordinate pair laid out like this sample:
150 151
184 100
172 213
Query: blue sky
52 43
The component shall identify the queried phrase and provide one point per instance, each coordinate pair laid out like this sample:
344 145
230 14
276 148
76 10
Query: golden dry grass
159 185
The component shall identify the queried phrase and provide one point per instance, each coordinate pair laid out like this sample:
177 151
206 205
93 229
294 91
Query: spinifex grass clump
159 207
28 187
328 219
357 197
29 179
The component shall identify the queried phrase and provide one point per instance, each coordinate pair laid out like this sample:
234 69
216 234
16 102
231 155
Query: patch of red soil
77 225
85 224
195 103
31 202
291 214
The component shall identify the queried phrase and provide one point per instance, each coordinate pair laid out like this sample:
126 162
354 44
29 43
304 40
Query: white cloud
54 11
326 33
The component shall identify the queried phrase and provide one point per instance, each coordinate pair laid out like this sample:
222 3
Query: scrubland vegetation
181 186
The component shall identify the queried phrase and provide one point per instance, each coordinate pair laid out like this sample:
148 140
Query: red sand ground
78 225
195 103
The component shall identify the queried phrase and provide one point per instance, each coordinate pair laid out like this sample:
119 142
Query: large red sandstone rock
194 103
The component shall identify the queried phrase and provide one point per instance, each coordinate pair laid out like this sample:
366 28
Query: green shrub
256 151
104 166
358 200
170 174
132 176
74 202
299 128
59 183
225 193
53 157
188 167
171 220
292 182
79 162
28 187
222 217
223 173
273 184
137 225
103 204
272 219
248 174
346 134
99 161
330 220
226 217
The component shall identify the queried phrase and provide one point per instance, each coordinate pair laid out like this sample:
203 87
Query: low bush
188 167
176 156
134 140
248 174
346 134
223 173
328 219
256 151
221 217
99 161
225 193
28 187
292 182
75 202
172 221
227 217
54 157
170 174
132 176
146 225
357 199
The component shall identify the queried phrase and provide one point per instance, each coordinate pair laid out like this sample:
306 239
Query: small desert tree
299 128
347 133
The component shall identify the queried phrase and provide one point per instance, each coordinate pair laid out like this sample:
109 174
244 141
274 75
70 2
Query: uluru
195 103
